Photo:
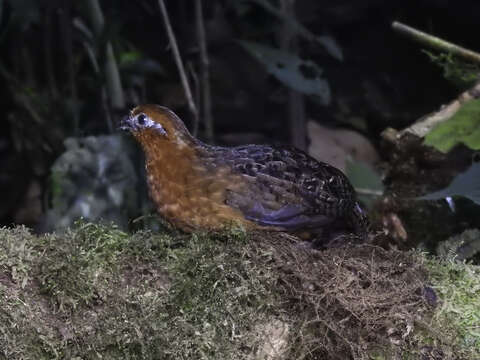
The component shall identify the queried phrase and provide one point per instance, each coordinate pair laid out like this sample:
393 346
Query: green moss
458 72
458 315
97 292
463 127
102 291
218 292
16 254
77 267
25 332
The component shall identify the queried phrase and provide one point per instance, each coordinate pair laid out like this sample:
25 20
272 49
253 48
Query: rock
93 179
334 146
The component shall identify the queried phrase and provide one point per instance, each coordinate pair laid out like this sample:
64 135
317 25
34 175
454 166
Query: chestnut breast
187 191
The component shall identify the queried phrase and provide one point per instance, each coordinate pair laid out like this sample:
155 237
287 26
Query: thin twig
103 90
178 59
112 74
424 125
196 86
435 42
290 21
204 72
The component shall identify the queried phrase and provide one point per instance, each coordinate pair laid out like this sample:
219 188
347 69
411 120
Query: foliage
365 180
460 73
465 184
458 285
461 247
327 42
300 75
463 127
68 65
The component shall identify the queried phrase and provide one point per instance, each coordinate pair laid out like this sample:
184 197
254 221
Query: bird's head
154 123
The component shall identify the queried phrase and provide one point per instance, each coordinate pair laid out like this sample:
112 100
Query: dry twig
347 298
424 125
112 74
178 59
196 88
204 72
435 42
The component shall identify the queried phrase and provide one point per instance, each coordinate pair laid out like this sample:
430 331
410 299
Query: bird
201 187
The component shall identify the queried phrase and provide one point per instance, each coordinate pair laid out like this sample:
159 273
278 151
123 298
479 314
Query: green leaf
463 127
328 42
466 184
365 180
134 61
331 46
300 75
129 57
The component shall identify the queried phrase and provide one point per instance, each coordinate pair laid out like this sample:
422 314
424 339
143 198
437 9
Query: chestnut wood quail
196 186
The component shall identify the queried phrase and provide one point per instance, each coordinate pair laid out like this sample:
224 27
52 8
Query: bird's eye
141 119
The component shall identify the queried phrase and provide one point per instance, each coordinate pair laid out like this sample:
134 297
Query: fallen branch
435 42
423 126
428 122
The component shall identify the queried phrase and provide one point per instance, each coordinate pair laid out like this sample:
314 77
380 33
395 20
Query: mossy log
97 292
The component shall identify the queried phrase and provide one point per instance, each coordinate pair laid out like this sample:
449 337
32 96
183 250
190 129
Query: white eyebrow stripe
149 123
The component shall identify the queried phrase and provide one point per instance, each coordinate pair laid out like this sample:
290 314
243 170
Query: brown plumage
196 186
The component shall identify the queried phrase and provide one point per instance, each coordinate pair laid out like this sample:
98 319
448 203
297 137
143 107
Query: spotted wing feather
288 188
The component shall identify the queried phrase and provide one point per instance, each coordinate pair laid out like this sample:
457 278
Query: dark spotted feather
289 189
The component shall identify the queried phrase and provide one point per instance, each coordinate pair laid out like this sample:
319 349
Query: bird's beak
126 123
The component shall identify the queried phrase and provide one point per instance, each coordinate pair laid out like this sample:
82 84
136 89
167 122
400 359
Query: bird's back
287 189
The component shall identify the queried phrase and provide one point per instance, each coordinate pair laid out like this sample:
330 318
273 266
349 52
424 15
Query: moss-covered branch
96 291
436 42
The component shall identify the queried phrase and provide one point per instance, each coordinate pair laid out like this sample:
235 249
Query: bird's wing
287 188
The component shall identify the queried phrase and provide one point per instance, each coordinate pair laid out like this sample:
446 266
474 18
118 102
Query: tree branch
196 87
435 42
427 123
204 72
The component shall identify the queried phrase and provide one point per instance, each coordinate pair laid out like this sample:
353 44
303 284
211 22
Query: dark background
52 91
